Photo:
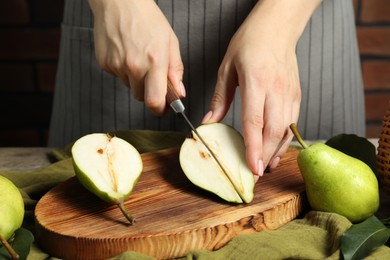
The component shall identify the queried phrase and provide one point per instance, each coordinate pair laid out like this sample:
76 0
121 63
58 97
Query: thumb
222 98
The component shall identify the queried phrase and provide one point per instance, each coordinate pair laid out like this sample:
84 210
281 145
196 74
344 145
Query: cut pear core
107 166
231 178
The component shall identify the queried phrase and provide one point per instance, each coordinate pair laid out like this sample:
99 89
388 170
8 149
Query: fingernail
207 117
275 162
260 168
182 89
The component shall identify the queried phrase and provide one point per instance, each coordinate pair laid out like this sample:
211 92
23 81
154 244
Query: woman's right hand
134 41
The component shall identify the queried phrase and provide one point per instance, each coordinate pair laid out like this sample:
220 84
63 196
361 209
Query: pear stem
129 217
9 248
295 131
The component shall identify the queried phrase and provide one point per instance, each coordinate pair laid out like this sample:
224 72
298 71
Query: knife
178 107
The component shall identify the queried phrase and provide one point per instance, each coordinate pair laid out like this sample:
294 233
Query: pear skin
11 213
336 182
11 208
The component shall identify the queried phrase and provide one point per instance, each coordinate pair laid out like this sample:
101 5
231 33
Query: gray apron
88 99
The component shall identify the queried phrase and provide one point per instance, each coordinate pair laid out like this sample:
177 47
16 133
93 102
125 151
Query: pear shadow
172 173
84 202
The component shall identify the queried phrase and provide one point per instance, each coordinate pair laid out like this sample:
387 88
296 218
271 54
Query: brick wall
29 42
373 30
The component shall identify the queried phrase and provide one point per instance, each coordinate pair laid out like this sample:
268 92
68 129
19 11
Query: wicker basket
383 156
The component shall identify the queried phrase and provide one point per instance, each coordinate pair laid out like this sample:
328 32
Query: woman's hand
134 41
261 60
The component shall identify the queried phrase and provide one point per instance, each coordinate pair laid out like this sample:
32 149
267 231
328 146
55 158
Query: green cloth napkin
315 236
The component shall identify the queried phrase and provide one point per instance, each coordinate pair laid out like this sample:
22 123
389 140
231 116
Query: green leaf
360 239
355 146
21 243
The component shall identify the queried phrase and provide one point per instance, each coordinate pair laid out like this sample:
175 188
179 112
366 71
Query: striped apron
87 99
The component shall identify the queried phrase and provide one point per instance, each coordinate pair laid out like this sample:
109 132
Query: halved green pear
231 179
107 166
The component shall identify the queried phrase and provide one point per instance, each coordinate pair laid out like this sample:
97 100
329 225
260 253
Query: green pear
231 179
11 212
107 166
336 182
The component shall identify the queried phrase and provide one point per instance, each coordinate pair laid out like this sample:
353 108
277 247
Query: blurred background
29 45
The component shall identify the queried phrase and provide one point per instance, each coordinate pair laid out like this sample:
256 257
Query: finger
285 142
105 66
101 48
280 150
111 61
137 88
115 71
125 80
223 94
291 112
156 90
136 71
121 74
274 123
252 123
117 68
176 67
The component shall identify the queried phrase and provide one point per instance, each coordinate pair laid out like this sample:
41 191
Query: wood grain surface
173 215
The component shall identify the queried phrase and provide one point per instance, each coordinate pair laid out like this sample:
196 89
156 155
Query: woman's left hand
261 61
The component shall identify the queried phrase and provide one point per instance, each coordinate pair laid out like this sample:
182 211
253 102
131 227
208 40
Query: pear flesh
232 180
336 182
107 166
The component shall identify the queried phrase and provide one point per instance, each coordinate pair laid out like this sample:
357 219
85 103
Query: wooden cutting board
173 215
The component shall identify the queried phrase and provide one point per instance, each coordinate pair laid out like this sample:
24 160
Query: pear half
231 179
107 166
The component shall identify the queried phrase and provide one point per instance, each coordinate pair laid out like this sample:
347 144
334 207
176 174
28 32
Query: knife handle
173 99
171 93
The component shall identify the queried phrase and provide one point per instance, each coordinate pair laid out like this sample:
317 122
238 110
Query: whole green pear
11 208
336 182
